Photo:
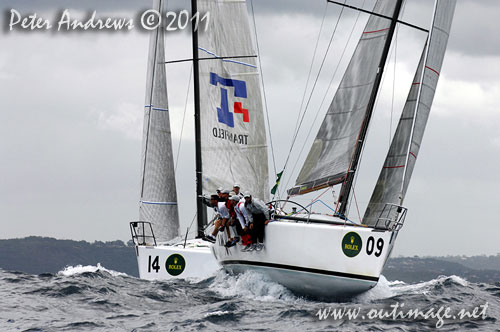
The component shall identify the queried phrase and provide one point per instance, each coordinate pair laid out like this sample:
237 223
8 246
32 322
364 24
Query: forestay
330 156
158 203
233 135
398 167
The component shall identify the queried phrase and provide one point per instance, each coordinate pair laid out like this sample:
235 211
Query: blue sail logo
240 90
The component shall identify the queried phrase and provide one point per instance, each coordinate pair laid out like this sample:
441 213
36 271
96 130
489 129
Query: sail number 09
370 246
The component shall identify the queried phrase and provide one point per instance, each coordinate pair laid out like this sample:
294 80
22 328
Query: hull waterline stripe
301 269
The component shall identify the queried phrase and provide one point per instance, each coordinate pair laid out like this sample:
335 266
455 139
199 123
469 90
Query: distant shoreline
36 255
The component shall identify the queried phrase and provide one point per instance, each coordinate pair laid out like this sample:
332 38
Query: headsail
330 156
398 167
158 192
233 135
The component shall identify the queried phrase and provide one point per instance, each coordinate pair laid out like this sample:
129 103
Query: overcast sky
72 109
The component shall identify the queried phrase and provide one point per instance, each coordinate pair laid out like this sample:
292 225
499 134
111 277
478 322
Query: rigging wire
393 83
190 225
311 67
356 203
312 90
263 89
183 118
325 95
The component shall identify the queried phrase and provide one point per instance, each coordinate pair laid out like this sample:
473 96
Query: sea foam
79 269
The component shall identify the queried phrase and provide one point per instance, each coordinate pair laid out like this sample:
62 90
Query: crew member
232 224
259 217
243 223
236 189
223 215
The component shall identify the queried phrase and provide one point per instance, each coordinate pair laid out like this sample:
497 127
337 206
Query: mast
197 125
347 185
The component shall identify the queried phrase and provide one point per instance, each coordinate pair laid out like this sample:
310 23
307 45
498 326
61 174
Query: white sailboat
327 256
314 255
159 256
230 140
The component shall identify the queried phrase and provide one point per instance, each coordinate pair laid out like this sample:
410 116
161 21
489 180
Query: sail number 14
155 264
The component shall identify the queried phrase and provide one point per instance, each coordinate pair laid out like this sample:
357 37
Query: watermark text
65 21
397 311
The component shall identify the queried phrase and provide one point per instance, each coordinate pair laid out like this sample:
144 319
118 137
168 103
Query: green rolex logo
351 244
175 264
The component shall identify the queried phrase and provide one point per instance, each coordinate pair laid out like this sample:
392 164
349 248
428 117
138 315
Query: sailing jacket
242 213
222 210
256 206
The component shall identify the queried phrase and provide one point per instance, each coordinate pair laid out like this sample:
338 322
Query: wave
217 313
80 269
382 290
251 285
395 282
386 289
255 286
427 286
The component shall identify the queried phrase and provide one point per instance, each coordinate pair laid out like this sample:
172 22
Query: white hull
309 259
164 262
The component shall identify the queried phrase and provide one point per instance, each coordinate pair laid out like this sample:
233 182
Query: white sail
395 176
233 135
330 156
158 203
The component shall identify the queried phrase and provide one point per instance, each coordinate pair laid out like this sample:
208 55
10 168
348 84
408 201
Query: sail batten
393 182
158 201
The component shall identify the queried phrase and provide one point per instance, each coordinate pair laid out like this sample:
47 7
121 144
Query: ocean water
93 298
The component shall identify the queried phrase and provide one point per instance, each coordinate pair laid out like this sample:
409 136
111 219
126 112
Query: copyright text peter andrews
65 20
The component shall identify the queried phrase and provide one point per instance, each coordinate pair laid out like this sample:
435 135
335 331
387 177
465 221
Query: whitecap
217 313
382 290
396 283
79 269
251 285
424 287
387 289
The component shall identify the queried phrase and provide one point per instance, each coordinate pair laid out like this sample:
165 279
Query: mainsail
158 203
398 167
233 135
330 156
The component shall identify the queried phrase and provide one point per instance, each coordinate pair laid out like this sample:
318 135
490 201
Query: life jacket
230 208
246 239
